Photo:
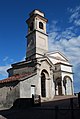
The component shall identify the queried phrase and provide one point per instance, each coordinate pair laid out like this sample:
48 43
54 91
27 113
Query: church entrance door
43 85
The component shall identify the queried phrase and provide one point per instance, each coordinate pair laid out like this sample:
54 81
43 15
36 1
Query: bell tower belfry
37 38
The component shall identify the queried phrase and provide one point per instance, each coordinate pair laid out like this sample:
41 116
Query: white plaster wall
57 75
67 74
3 92
46 66
9 92
66 68
52 86
37 25
54 61
41 41
56 57
25 86
37 12
58 67
47 87
71 76
50 91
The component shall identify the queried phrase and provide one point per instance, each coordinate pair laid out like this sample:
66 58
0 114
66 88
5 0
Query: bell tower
37 38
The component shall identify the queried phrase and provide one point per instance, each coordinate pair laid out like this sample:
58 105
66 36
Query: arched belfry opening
44 75
40 25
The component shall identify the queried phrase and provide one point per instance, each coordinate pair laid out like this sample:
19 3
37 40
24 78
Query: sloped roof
60 56
56 57
63 64
16 77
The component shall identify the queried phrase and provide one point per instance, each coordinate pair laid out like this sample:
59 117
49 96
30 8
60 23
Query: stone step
62 101
64 97
58 97
46 99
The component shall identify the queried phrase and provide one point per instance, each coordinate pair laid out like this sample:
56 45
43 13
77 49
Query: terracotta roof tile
16 77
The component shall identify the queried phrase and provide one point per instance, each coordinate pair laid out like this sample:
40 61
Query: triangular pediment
57 57
45 61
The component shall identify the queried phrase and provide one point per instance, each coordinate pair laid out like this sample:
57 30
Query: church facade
43 73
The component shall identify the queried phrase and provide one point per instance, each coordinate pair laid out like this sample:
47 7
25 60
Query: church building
42 73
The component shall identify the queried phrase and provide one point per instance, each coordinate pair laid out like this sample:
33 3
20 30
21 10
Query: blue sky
63 28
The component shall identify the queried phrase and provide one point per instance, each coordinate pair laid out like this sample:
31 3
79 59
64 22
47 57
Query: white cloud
23 59
69 44
70 47
75 15
7 64
77 22
6 58
3 70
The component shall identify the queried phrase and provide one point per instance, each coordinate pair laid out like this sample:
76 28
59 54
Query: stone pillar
72 88
52 83
62 87
48 87
38 89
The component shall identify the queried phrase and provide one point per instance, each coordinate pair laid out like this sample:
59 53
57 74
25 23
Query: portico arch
58 86
67 82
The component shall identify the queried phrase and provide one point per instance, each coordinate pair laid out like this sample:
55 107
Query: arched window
40 25
44 75
43 87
